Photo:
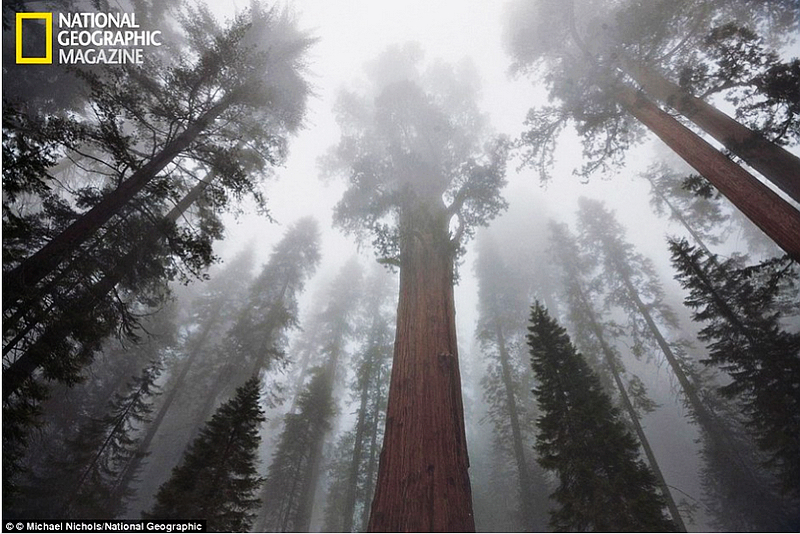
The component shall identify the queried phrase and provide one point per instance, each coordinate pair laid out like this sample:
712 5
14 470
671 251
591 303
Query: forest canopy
412 266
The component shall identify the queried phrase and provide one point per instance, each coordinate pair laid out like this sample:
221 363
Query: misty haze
359 265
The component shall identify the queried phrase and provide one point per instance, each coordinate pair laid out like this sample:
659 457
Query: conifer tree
208 317
81 476
334 326
741 310
502 300
217 479
603 484
289 476
595 336
606 64
419 161
353 465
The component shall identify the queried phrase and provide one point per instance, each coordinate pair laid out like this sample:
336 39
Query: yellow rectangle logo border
48 24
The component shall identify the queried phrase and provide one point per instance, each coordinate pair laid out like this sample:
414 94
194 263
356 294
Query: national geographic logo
47 58
83 39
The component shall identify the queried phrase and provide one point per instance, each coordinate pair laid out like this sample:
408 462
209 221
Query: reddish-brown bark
776 217
779 166
423 483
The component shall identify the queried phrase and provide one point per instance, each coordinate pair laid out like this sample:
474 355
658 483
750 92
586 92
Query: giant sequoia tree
604 486
418 162
603 70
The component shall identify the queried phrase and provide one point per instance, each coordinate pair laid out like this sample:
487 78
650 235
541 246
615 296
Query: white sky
352 32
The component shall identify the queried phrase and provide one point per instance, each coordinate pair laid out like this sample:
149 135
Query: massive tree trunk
776 217
21 280
423 481
779 166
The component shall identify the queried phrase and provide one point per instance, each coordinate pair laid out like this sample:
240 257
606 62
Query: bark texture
423 483
778 165
776 217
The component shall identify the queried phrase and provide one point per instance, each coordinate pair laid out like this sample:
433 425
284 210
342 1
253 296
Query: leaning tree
608 65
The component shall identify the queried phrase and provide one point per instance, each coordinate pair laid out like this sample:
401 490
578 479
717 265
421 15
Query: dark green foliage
217 479
742 310
81 475
208 113
603 485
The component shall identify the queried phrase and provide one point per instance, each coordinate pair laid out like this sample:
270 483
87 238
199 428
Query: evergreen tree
502 297
82 473
595 336
334 324
741 310
195 111
257 338
217 479
418 160
208 317
290 473
603 485
353 466
591 62
164 149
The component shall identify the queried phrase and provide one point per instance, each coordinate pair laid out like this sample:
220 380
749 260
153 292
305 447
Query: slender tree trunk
40 351
633 416
524 477
776 217
372 464
21 280
355 462
311 480
679 216
715 431
778 165
127 477
423 481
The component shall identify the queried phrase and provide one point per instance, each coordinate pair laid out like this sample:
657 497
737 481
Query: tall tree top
415 137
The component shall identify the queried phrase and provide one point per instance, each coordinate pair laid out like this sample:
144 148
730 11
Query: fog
377 197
